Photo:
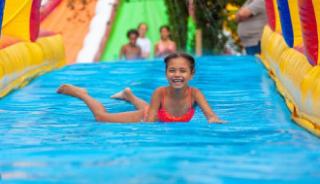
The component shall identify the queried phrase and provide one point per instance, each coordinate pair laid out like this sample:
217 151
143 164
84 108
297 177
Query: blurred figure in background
165 46
143 41
251 19
131 50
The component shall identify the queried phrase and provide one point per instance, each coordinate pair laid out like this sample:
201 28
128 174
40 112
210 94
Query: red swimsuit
164 116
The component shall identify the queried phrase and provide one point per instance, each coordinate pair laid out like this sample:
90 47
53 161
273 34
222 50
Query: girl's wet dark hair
186 56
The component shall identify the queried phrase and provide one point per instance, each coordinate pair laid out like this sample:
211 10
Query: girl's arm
243 14
154 106
205 107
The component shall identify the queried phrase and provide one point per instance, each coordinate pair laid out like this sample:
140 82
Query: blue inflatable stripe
1 13
286 24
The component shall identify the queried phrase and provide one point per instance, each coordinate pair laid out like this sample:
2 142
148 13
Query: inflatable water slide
25 51
290 51
129 15
94 30
83 25
39 36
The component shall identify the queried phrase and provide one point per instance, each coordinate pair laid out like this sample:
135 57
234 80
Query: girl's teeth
177 80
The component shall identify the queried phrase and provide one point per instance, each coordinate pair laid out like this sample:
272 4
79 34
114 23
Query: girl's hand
216 120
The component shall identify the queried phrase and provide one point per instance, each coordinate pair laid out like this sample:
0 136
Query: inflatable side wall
24 61
291 56
1 13
23 54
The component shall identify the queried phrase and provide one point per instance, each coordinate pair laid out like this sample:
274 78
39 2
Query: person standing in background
144 42
251 19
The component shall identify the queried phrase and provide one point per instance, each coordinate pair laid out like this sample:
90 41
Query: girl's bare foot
71 90
123 95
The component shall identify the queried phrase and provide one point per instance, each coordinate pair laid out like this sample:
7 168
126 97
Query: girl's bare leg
128 95
97 108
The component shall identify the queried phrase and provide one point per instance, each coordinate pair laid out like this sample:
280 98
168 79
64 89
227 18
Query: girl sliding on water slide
173 103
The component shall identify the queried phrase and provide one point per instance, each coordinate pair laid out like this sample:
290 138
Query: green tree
210 16
178 17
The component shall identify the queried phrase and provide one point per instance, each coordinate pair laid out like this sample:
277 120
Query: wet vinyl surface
47 137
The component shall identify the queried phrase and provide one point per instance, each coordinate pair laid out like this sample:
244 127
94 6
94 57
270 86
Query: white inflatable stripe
96 31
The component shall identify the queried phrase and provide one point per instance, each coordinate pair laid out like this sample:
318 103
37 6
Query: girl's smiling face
179 72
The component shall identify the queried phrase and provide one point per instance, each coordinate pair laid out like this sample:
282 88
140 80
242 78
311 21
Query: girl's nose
176 73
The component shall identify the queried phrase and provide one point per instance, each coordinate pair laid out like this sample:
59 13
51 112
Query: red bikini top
165 116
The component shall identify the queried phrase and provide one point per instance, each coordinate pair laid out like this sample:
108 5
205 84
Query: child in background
173 103
144 42
165 46
131 50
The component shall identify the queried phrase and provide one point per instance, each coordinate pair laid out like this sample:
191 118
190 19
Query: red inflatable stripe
271 14
309 30
35 20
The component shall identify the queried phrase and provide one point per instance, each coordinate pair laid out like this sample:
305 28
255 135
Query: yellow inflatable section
294 12
296 79
21 62
21 59
316 6
17 19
